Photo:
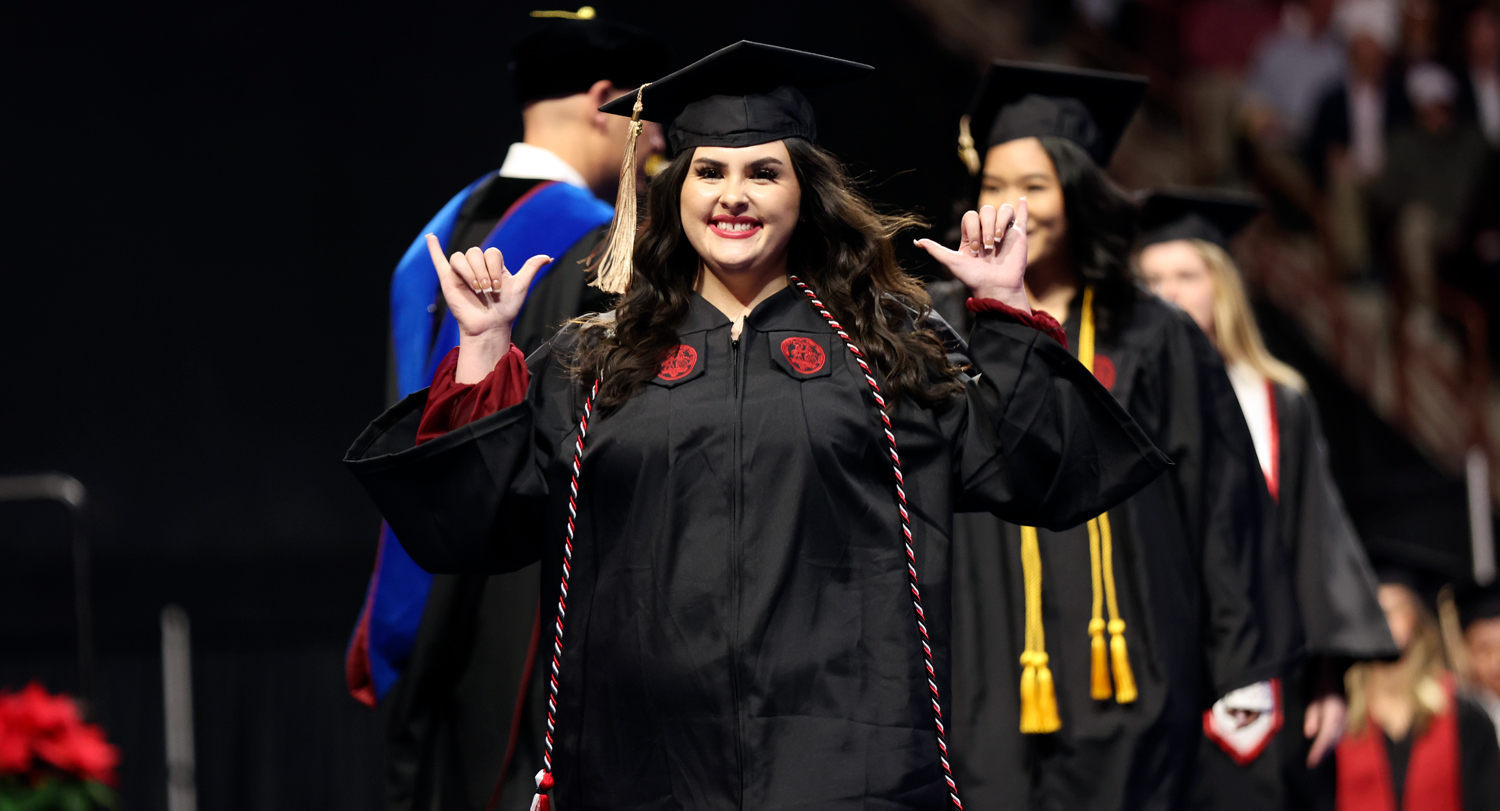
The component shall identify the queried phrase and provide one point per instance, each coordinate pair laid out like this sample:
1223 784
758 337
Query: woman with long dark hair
1083 658
741 482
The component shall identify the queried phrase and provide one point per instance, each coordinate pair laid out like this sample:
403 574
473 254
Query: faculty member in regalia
741 483
1084 655
1268 745
441 656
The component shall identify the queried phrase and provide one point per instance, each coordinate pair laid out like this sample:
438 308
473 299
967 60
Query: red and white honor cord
911 555
541 802
544 780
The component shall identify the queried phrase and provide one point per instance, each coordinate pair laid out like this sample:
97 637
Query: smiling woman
734 479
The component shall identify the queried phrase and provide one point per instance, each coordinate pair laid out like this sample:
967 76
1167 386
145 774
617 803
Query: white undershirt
530 161
1255 400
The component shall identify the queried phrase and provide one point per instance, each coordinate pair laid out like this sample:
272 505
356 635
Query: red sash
1432 775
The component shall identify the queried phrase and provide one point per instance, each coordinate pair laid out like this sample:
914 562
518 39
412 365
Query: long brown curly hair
841 248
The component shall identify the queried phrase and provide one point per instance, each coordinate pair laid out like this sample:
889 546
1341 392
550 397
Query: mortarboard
1015 100
1198 214
1477 603
570 50
742 95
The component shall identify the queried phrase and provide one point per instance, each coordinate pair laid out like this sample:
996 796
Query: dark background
204 206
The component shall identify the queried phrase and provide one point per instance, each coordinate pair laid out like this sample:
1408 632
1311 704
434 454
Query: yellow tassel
614 269
966 151
1124 679
1099 686
1030 718
1046 697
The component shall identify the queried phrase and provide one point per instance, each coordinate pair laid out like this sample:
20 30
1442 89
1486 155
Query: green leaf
102 794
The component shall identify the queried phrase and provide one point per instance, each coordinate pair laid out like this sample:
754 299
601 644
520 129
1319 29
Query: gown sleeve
1036 439
458 471
1336 586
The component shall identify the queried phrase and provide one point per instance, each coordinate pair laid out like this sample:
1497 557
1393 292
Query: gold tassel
1124 679
966 151
614 268
1046 697
1038 694
1030 722
1099 686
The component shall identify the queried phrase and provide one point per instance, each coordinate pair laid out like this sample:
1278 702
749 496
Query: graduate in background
1414 743
1266 745
444 656
710 474
1479 615
1083 659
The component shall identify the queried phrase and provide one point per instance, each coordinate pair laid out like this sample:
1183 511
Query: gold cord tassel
1038 693
1102 564
614 269
1124 680
966 151
1099 686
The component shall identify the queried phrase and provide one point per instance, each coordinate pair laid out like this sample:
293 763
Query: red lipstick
734 227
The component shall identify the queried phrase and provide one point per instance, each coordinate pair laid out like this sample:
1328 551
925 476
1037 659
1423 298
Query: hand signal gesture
483 296
991 259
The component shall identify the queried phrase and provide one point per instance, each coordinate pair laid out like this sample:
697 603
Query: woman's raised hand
482 295
991 259
485 299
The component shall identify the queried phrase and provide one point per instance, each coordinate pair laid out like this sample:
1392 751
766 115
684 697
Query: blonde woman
1413 743
1249 757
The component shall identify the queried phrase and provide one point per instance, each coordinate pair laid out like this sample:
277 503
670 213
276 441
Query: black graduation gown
449 717
1341 618
1204 589
740 631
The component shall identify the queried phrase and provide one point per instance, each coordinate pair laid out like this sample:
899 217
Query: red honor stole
1432 775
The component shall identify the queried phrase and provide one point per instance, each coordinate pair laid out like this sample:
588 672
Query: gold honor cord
1038 694
584 13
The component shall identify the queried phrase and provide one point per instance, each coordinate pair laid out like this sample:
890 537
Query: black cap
742 95
568 52
1211 216
1477 603
1091 108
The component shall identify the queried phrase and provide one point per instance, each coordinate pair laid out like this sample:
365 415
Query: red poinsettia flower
36 726
81 751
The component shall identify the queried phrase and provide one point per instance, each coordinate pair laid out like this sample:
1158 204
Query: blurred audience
1479 96
1345 151
1414 743
1290 71
1431 174
1218 39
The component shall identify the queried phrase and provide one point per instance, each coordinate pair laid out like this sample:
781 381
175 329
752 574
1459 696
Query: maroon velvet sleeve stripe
1036 319
451 404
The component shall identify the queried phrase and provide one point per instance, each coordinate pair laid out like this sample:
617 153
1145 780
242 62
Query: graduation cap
743 95
1015 100
1477 603
746 94
1210 216
570 50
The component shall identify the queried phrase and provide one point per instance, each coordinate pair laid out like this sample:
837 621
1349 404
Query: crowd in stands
1372 125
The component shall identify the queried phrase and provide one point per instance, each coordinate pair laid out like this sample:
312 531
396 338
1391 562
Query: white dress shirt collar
529 161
